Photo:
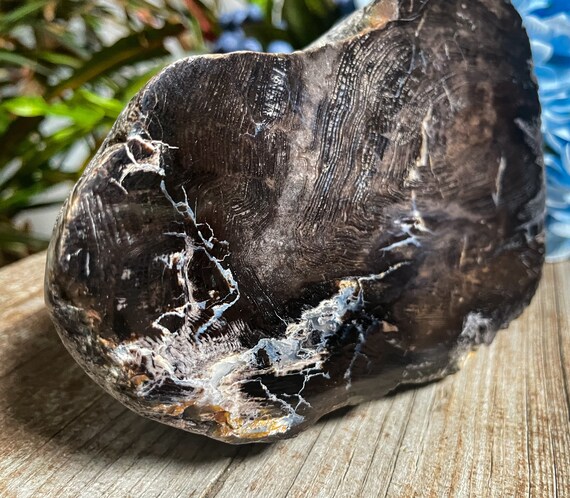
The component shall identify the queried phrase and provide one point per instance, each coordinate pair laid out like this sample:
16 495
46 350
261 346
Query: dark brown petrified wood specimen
265 238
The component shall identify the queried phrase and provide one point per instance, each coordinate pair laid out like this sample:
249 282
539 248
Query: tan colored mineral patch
382 13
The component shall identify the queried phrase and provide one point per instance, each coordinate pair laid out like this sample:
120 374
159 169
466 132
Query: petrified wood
265 238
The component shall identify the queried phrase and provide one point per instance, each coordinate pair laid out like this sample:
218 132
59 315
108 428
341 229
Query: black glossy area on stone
263 239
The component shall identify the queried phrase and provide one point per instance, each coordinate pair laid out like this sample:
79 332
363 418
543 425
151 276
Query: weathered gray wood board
500 427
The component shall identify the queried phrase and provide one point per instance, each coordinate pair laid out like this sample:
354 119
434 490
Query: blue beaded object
548 26
279 47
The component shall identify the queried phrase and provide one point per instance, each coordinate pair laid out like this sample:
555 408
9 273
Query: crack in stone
183 208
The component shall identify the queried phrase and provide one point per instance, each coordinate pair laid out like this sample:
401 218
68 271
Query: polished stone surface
265 238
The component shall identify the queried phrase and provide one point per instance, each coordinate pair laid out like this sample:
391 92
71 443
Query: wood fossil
264 238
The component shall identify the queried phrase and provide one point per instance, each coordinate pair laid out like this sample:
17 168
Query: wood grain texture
499 427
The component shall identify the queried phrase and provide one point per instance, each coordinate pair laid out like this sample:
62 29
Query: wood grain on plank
501 426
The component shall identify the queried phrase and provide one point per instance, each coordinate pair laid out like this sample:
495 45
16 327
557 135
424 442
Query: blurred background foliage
68 67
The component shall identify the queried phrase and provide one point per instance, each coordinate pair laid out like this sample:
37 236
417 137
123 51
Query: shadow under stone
50 403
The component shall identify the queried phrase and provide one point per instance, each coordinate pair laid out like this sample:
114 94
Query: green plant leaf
9 234
305 23
16 59
145 45
113 107
20 199
138 82
85 116
60 59
12 19
26 106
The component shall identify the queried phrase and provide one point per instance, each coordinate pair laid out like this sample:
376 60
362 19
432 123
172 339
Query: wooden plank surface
500 427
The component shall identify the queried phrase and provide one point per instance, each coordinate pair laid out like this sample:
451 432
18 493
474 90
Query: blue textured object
234 38
251 44
229 41
548 26
345 7
280 47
